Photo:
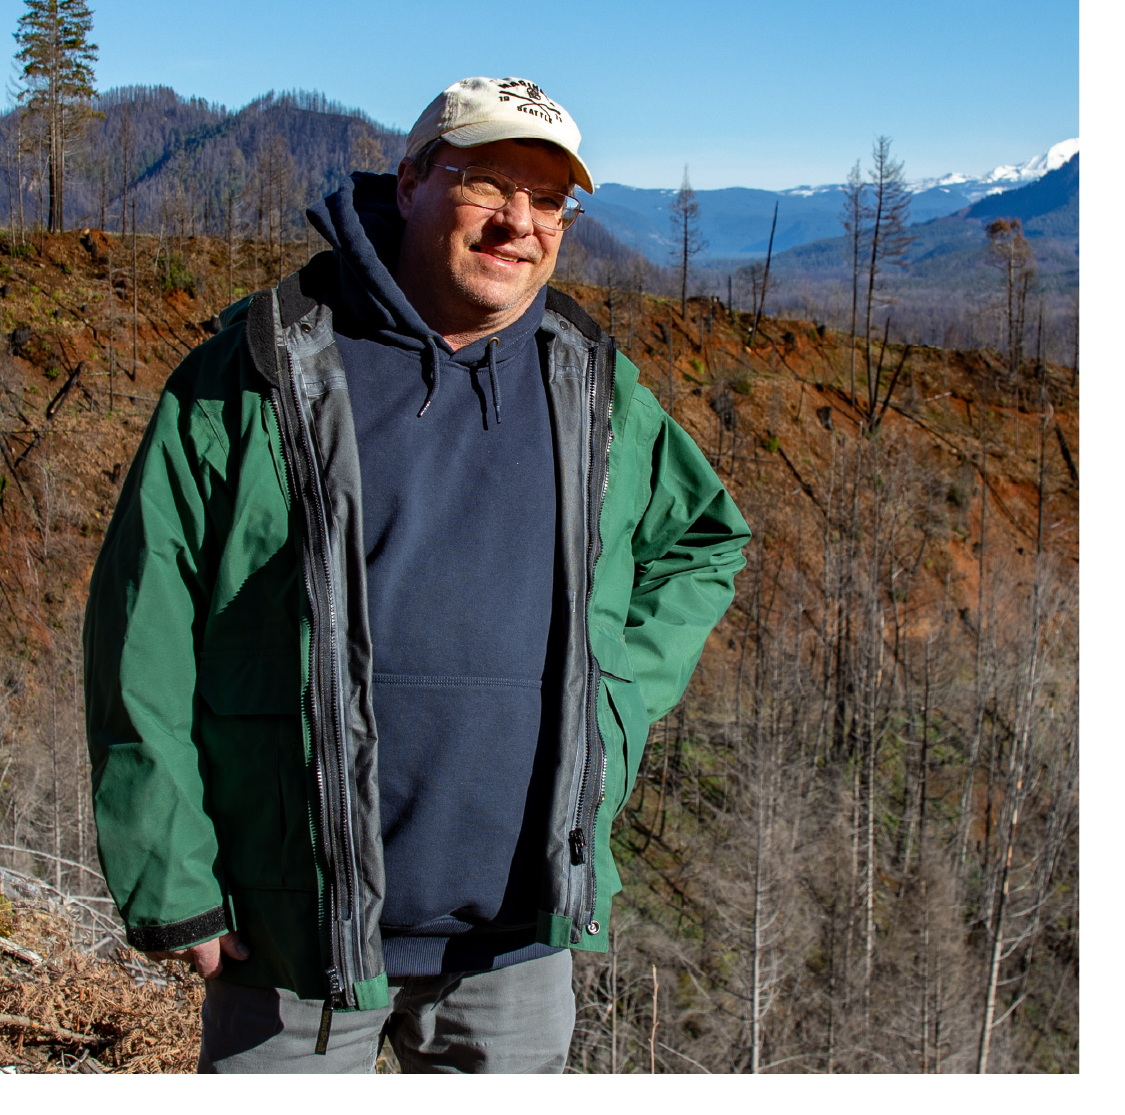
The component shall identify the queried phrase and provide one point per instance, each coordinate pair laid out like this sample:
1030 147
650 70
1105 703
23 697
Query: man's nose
516 214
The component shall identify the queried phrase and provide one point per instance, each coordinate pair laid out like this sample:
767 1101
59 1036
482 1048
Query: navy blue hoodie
459 521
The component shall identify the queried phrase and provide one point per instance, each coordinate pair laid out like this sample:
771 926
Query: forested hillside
186 162
853 846
168 166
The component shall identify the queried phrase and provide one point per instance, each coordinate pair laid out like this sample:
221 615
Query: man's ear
407 184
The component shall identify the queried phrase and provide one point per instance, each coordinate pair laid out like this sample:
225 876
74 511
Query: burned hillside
853 845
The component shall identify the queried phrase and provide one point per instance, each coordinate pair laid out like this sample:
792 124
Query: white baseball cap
485 109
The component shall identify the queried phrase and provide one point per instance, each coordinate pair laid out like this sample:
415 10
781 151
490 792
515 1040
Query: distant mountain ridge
736 221
1048 207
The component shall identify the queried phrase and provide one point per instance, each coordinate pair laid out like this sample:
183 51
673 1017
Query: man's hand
207 958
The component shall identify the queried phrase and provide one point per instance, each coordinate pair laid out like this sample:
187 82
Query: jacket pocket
256 776
609 649
630 716
626 744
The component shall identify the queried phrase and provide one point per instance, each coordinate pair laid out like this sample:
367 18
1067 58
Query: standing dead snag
854 208
1021 765
887 214
684 212
126 169
978 673
1009 250
133 373
765 281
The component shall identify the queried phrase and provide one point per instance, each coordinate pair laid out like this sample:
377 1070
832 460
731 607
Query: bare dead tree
765 281
126 169
367 154
684 214
1009 250
133 372
887 213
855 206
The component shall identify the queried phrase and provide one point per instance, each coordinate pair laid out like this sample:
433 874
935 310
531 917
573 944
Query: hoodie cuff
178 934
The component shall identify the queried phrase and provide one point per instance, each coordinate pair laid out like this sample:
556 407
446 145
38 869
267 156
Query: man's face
472 261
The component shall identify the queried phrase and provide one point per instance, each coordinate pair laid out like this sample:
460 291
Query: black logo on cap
532 100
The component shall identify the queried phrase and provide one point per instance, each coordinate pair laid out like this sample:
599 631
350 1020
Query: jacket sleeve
147 607
687 549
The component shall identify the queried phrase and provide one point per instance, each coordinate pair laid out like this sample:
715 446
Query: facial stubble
477 298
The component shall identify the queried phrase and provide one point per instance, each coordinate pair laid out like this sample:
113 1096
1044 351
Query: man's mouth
498 253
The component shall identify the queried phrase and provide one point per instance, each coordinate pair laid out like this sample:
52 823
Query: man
413 488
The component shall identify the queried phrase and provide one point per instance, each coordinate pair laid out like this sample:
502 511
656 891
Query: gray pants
515 1020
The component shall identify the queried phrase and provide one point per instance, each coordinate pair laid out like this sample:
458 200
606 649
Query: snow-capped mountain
1035 168
1005 177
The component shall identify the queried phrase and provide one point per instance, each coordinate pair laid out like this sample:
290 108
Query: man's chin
494 296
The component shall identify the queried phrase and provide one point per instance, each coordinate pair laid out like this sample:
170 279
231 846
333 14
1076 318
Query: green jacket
228 658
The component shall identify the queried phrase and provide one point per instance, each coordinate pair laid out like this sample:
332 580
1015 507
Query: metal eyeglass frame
560 227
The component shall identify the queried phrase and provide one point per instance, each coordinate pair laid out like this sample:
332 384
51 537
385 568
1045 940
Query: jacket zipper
586 808
334 812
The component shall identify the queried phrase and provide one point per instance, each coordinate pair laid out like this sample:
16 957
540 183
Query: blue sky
746 93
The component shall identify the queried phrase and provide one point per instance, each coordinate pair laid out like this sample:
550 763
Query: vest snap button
593 929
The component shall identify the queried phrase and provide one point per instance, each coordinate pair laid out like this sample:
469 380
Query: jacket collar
302 294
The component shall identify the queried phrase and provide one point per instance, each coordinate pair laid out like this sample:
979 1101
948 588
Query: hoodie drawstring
493 345
434 353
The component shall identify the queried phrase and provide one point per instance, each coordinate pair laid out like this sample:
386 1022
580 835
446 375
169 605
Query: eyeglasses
490 189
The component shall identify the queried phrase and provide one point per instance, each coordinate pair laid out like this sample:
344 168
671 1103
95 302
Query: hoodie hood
362 223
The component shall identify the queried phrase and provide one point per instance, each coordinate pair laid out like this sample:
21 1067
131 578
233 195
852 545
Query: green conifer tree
57 58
